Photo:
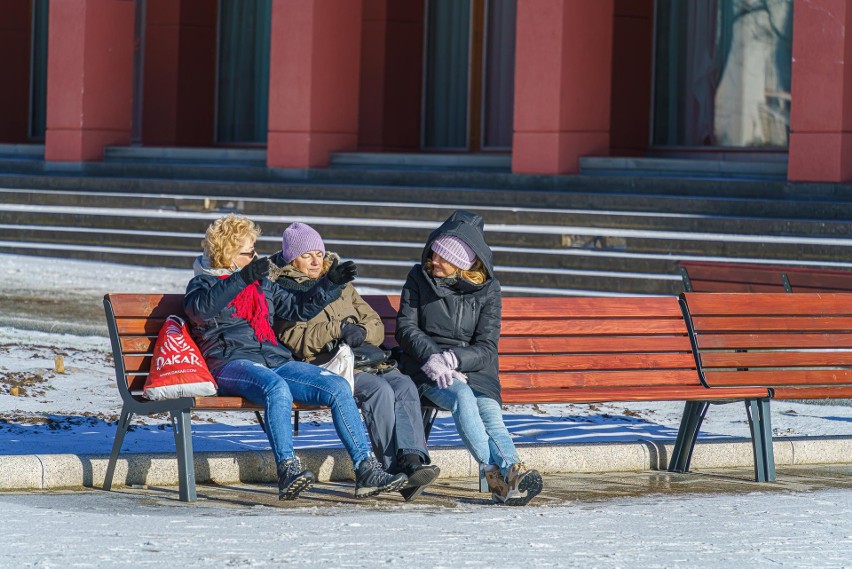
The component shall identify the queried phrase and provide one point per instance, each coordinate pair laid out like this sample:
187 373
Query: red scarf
250 305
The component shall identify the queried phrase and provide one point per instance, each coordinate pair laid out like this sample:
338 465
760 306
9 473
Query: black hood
469 227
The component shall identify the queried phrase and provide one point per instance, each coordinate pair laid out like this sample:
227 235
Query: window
722 73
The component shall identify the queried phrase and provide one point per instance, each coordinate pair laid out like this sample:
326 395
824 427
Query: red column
563 75
821 105
89 78
180 72
391 75
15 23
314 73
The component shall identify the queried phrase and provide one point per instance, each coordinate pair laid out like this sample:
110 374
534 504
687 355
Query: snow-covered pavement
755 529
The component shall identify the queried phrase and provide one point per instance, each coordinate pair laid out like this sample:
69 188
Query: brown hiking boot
497 484
523 485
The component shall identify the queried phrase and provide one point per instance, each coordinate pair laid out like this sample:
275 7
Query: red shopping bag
177 368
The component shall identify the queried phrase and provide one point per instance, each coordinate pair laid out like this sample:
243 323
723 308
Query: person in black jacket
448 326
230 305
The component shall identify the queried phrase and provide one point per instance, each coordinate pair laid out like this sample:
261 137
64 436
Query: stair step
644 166
195 156
429 161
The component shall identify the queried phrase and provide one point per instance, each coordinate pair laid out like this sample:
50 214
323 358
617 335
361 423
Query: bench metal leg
429 416
760 423
186 464
260 420
295 424
690 424
120 431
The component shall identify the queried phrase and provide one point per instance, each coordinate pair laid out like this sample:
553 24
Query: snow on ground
75 411
759 529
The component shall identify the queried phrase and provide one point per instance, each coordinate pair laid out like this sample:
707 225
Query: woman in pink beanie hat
448 326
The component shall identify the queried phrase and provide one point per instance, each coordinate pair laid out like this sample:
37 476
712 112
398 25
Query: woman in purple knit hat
448 327
389 400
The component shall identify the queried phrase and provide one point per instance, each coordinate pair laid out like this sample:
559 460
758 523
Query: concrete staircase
547 241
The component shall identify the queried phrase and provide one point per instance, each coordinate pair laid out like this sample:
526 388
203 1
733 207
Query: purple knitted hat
455 251
300 238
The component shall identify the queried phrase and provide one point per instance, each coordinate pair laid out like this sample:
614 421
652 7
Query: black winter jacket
437 314
222 338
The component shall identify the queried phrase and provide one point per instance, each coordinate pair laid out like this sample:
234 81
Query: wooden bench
593 350
741 277
799 347
552 350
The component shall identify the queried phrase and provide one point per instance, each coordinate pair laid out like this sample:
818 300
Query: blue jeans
276 389
479 421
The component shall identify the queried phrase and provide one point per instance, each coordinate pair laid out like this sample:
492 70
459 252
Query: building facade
544 81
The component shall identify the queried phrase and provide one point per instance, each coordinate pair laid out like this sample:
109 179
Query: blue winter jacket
222 337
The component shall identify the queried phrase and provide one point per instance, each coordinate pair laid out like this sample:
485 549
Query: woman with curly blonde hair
231 305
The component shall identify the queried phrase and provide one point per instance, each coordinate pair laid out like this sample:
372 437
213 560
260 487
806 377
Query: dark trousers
390 405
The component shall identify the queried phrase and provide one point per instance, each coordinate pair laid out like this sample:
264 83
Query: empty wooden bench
593 350
797 346
742 277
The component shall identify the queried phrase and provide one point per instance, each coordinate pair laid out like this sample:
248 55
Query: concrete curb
54 471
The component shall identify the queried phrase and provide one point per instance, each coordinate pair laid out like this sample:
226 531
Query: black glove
342 273
352 334
255 270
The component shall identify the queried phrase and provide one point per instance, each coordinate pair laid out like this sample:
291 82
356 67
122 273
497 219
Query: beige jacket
307 339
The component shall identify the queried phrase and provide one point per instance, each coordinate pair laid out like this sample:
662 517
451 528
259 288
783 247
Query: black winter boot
292 480
419 475
371 479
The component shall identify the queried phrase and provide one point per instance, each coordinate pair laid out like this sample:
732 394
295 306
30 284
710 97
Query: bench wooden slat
648 393
589 307
138 344
812 392
772 323
835 340
582 379
220 403
734 273
787 377
138 326
820 280
525 308
592 344
744 277
583 327
775 359
721 304
615 362
728 286
148 305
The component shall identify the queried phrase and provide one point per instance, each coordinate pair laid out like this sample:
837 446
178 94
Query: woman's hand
438 369
256 270
352 334
342 273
